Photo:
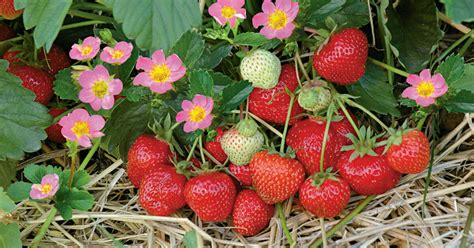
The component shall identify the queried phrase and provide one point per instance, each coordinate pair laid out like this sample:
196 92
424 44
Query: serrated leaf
135 93
190 239
201 83
7 172
354 13
459 10
374 92
189 48
415 32
155 24
211 59
452 69
250 39
34 173
19 191
80 179
65 87
10 236
317 11
22 120
220 81
69 199
233 95
466 82
6 204
462 102
46 17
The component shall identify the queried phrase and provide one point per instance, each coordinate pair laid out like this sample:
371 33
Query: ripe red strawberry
56 60
7 10
342 59
214 147
272 105
368 175
145 155
11 56
54 131
210 195
326 200
242 173
410 152
251 214
162 191
6 32
275 178
36 80
306 138
342 128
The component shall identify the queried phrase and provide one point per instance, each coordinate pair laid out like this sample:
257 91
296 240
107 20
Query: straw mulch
394 219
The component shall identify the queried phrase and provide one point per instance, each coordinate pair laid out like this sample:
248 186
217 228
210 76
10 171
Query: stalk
389 67
89 155
44 228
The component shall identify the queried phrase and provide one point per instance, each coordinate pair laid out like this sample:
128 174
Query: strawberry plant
234 122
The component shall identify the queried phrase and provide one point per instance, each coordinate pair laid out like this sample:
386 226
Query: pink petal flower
97 85
224 11
196 113
425 89
118 54
277 18
87 50
80 127
48 187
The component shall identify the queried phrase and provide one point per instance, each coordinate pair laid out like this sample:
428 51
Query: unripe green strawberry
240 148
262 68
315 98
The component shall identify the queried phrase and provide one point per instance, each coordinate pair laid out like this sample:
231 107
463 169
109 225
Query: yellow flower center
277 20
197 114
81 128
228 12
46 188
100 88
117 54
425 89
86 50
160 73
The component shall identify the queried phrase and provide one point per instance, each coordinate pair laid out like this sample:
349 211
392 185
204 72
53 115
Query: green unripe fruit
261 68
315 99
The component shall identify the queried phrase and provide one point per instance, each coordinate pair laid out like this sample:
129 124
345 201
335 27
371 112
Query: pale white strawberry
242 142
261 68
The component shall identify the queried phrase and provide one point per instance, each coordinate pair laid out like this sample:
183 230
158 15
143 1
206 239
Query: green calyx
320 177
289 153
247 127
396 136
325 34
364 146
107 37
163 129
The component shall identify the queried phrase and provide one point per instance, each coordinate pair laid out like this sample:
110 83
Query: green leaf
34 173
190 239
22 120
6 204
220 81
135 93
354 13
10 236
250 39
19 191
69 199
80 179
46 16
65 87
7 172
189 48
459 10
452 69
374 92
155 24
211 59
466 81
415 32
461 102
317 11
346 13
201 83
128 121
233 95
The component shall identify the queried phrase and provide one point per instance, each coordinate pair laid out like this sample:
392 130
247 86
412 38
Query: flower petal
286 31
268 6
425 101
158 57
96 122
182 116
410 92
425 75
142 79
413 80
259 19
144 63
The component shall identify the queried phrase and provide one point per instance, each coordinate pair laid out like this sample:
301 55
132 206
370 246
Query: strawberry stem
44 228
283 224
344 221
201 149
193 147
325 139
89 155
247 109
388 67
354 104
287 122
349 118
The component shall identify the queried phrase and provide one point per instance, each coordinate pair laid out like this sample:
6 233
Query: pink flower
196 114
159 72
425 89
276 19
227 11
99 88
81 127
48 187
87 50
117 55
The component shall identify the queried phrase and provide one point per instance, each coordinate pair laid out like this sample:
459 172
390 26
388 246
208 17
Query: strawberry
409 152
7 10
315 98
210 195
342 127
145 155
325 199
242 173
6 32
54 131
365 167
242 142
36 80
162 191
251 214
12 56
275 177
306 138
214 146
272 104
342 59
55 60
261 68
